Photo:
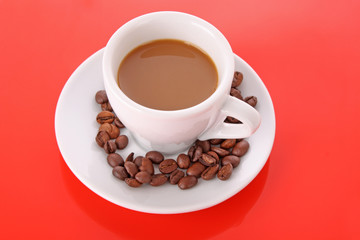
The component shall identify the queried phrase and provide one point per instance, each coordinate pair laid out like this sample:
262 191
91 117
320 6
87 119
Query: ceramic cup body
173 131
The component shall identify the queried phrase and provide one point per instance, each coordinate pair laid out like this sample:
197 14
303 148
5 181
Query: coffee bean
187 182
147 166
214 155
210 172
118 123
121 141
115 159
195 170
155 156
101 138
228 143
236 93
167 166
106 107
101 97
143 177
232 159
138 160
120 172
130 157
183 161
216 141
205 145
158 179
105 127
132 182
111 129
252 100
131 168
240 148
175 176
197 154
221 152
231 120
207 160
105 117
225 172
191 151
237 79
110 147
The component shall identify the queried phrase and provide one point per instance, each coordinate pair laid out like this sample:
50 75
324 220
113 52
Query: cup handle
240 110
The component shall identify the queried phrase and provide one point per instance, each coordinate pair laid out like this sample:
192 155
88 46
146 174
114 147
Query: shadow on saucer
129 224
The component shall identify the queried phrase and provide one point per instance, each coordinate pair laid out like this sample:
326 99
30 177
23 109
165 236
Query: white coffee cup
174 131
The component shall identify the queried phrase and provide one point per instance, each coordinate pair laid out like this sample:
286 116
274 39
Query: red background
306 52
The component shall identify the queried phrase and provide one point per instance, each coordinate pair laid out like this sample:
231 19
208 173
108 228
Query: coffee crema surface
167 74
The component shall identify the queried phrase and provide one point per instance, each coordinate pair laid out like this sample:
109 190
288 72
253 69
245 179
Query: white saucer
76 128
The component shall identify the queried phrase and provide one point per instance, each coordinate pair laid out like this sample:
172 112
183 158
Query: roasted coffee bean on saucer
101 97
155 156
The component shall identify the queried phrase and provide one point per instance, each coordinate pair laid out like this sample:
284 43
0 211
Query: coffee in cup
167 74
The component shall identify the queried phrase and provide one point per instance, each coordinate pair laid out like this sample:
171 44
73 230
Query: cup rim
200 107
